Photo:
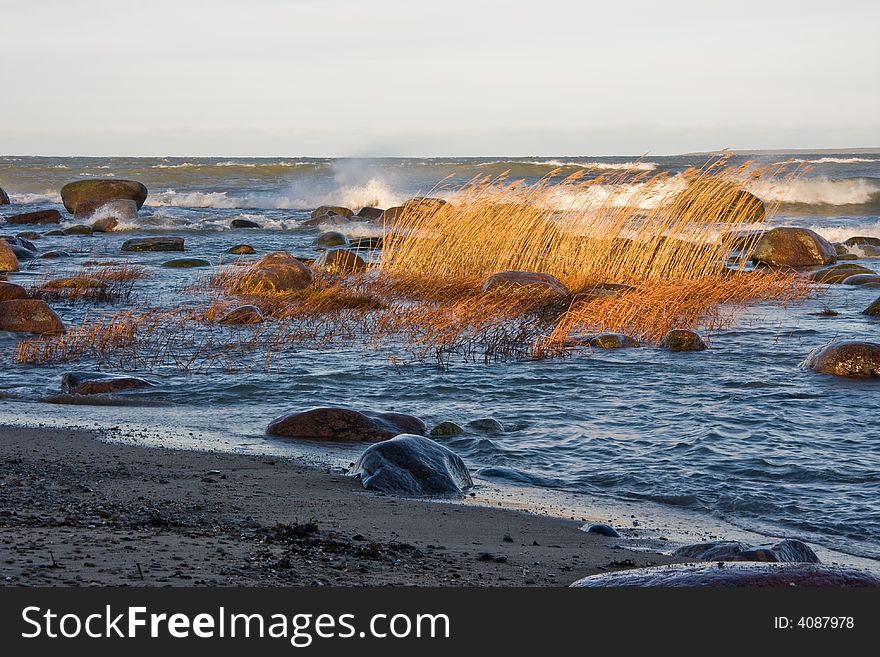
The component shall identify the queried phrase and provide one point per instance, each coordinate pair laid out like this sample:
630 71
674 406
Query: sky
448 78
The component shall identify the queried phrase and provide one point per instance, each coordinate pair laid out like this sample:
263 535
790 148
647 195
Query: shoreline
79 511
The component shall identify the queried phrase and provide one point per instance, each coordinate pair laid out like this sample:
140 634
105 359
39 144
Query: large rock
72 194
526 279
331 238
729 204
344 424
153 244
412 465
370 214
391 215
867 280
735 574
243 315
793 247
424 204
340 261
276 272
29 316
786 551
4 197
186 263
10 291
243 223
331 209
613 341
78 229
8 259
119 209
682 340
839 273
37 217
850 358
327 219
97 383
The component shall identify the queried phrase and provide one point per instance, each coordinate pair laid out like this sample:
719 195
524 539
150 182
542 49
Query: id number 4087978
814 623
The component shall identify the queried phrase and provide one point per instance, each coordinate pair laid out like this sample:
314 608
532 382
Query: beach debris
602 530
153 244
682 340
331 238
37 217
345 424
412 465
845 358
99 383
29 316
101 190
525 279
793 247
447 428
788 550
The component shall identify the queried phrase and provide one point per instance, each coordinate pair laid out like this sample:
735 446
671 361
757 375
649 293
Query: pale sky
446 78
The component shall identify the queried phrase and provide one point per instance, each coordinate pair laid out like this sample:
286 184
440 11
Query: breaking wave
819 191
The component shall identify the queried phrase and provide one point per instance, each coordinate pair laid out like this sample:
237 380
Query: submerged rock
38 217
279 272
340 261
29 235
186 263
54 254
98 383
603 530
8 259
242 315
119 209
850 358
72 194
412 465
613 341
344 424
243 223
241 249
78 229
867 280
734 574
447 428
839 273
29 316
526 279
331 238
153 244
860 240
370 214
104 225
793 247
10 291
786 551
682 340
485 425
330 210
54 233
327 220
873 310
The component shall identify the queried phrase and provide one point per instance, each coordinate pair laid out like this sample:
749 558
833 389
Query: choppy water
737 432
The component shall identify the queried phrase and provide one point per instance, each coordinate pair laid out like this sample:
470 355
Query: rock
38 217
344 424
603 530
840 249
10 291
424 204
873 310
786 551
391 215
327 219
276 272
242 315
105 225
860 240
849 358
4 197
526 279
72 194
78 229
370 214
22 253
8 259
447 429
97 383
412 465
366 243
868 280
243 223
734 574
613 341
331 209
485 425
838 273
55 254
186 263
20 242
331 238
29 316
119 209
340 261
241 249
29 235
682 340
793 247
54 233
73 283
153 244
847 256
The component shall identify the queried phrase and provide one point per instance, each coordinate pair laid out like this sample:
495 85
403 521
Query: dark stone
424 204
327 219
525 279
860 240
340 261
838 273
55 254
613 341
851 358
97 383
10 291
331 238
21 242
793 247
392 214
29 316
867 280
104 225
370 214
682 340
153 244
366 243
873 310
242 315
447 429
344 424
241 249
29 235
8 259
22 253
735 574
78 229
485 425
278 272
72 194
54 233
331 209
186 263
603 530
38 217
786 551
4 197
412 465
243 223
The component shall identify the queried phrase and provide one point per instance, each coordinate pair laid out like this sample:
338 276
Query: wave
233 163
834 160
843 233
610 166
819 191
24 198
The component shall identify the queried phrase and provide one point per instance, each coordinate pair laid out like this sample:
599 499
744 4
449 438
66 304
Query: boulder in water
276 272
38 217
8 259
793 247
10 291
613 341
243 315
867 280
860 240
447 428
78 229
241 249
485 425
98 383
4 197
340 261
370 214
412 465
29 316
93 191
331 238
344 424
873 310
682 340
104 225
153 244
327 220
786 551
848 358
120 209
839 273
526 279
243 223
186 263
331 209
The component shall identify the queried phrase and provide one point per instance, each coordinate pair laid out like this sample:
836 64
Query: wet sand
78 511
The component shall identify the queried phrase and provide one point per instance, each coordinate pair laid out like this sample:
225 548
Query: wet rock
331 209
603 530
873 310
412 465
793 247
447 428
93 191
786 551
613 341
424 204
340 261
370 214
38 217
54 254
344 424
838 273
78 229
243 223
682 340
526 279
10 291
186 263
327 220
29 316
4 197
839 249
98 383
867 280
29 235
331 238
8 259
735 574
153 244
279 272
366 243
54 233
485 425
241 249
860 240
391 215
104 225
119 209
242 315
22 253
21 242
73 283
849 358
847 256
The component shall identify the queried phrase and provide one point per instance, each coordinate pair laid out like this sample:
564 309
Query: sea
734 441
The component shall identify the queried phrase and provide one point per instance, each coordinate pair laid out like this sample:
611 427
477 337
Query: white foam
843 233
818 191
834 160
39 197
610 166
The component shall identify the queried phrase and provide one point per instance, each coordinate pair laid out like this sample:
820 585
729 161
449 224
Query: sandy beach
78 511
